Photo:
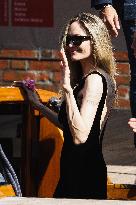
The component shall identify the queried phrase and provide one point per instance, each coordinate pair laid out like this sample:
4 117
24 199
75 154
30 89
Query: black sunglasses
76 40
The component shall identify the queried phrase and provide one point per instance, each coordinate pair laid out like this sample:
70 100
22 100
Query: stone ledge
122 174
49 201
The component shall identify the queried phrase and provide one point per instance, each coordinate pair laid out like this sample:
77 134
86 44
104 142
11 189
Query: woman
88 69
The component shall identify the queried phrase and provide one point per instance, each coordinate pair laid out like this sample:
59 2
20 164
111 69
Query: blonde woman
88 85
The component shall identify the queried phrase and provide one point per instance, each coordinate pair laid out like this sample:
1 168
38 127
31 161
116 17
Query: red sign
4 12
36 13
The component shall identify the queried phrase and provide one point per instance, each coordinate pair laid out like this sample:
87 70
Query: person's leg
129 28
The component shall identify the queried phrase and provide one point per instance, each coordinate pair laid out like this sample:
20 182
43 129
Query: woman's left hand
65 72
29 89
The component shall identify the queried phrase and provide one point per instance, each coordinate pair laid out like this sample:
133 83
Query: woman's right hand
31 94
65 72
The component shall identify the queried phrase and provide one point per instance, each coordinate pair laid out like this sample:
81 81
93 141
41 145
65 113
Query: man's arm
108 14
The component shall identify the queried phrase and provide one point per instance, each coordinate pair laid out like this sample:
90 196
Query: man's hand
110 18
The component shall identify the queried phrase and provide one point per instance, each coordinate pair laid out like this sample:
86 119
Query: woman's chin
74 58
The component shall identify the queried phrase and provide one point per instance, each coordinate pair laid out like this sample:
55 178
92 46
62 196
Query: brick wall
122 80
43 67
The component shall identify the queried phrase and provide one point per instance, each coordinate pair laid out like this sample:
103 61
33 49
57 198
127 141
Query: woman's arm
81 121
35 102
49 114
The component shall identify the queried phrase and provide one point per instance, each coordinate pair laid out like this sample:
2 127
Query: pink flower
29 84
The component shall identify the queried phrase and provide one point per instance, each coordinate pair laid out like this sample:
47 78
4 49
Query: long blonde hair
101 45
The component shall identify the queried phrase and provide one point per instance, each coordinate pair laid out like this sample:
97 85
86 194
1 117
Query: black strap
10 173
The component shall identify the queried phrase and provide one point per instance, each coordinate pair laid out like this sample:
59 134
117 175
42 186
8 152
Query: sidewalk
47 201
122 174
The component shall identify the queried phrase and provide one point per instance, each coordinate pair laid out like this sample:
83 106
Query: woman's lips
72 50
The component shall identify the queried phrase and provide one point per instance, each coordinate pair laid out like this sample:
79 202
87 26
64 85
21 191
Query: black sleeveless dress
83 172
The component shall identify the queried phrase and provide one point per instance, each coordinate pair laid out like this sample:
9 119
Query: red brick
123 91
44 65
42 76
16 64
123 68
51 53
121 55
4 64
9 76
47 53
37 65
56 54
16 75
123 104
122 80
57 76
18 53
